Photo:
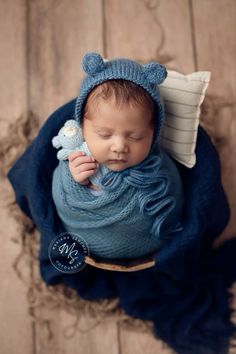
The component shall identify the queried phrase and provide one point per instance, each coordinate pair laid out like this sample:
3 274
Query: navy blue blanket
185 294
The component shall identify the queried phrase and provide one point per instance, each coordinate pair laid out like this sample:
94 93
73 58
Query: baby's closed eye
135 137
104 136
128 136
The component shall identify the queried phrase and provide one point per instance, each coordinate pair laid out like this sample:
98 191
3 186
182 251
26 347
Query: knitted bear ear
56 142
71 123
92 63
71 128
155 72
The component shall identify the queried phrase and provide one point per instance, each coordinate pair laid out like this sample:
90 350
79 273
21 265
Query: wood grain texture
59 331
98 340
150 30
13 59
133 342
16 329
215 33
89 339
134 265
61 32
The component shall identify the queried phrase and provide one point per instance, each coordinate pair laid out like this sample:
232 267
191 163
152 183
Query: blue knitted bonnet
147 76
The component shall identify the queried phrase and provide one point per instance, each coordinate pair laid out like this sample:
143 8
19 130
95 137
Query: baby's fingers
83 177
74 155
86 167
83 160
77 159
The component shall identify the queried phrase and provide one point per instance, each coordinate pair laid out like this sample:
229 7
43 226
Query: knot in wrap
140 176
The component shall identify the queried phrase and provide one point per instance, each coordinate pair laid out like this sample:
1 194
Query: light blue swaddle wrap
139 210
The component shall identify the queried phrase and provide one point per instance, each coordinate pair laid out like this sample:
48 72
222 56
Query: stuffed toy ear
93 63
56 142
71 123
155 73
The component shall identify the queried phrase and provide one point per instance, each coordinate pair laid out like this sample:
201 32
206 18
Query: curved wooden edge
118 267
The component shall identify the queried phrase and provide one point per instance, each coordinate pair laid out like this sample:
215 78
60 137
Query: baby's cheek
141 153
98 152
100 157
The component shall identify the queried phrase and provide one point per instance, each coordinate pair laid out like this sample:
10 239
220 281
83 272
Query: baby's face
118 137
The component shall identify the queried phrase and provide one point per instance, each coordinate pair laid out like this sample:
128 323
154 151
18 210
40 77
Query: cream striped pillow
182 96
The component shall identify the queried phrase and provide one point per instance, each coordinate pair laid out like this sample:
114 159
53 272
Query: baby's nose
119 145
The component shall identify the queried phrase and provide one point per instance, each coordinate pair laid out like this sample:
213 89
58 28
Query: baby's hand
82 167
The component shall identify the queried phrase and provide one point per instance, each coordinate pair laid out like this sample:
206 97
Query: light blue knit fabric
136 214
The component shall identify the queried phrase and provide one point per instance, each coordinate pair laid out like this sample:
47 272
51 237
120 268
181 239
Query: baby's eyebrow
112 130
103 128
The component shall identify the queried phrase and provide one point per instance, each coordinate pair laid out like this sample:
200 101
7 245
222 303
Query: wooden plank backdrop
14 100
41 46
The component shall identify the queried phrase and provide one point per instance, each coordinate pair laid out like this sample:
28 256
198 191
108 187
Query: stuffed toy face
69 136
69 139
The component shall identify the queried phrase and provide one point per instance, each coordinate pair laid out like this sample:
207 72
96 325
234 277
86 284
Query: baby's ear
93 63
155 72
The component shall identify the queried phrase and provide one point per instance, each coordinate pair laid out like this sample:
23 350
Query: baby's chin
116 166
116 169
